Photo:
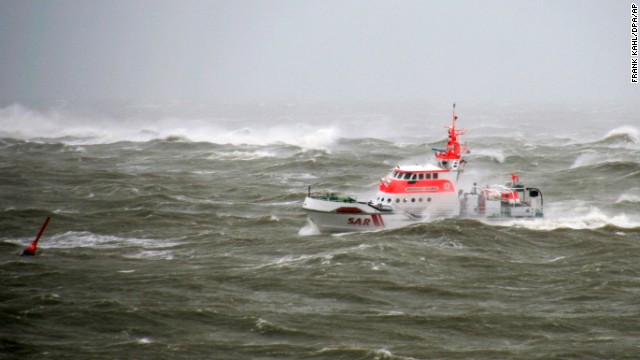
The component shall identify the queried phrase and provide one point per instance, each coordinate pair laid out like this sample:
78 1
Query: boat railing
331 196
335 198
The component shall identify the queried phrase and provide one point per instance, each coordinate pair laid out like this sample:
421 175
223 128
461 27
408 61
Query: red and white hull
332 216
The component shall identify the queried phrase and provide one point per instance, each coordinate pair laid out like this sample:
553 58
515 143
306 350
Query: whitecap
593 219
585 159
628 197
61 124
287 261
144 341
79 239
152 255
241 155
302 135
495 155
627 132
309 229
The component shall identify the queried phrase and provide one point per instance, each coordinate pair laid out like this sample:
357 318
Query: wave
623 134
585 168
306 128
585 159
622 137
60 125
304 136
494 155
629 197
241 155
84 239
357 353
593 219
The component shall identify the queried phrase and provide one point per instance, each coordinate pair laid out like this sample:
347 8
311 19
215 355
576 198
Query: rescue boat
414 193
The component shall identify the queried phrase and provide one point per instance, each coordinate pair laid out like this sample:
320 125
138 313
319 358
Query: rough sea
177 233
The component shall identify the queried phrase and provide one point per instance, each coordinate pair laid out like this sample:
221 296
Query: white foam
309 229
152 255
262 324
325 257
62 125
555 259
241 155
627 131
375 354
585 159
79 239
443 244
591 158
594 218
301 135
144 341
495 155
290 260
631 196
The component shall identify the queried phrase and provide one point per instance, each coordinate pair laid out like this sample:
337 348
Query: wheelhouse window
413 176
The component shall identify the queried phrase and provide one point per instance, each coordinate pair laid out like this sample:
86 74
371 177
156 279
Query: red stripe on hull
348 210
377 220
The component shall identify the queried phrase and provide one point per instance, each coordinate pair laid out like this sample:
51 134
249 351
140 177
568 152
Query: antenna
454 117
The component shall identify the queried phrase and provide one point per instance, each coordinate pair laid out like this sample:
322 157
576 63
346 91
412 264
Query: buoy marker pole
31 250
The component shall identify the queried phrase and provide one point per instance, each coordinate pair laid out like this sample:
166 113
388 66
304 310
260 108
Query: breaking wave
61 125
623 134
494 155
585 159
83 239
593 219
629 197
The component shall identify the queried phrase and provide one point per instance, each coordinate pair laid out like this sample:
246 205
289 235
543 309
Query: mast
450 158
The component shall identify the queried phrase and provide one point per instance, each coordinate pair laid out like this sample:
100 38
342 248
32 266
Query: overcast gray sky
317 51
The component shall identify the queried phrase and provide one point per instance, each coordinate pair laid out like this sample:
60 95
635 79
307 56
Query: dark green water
184 242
